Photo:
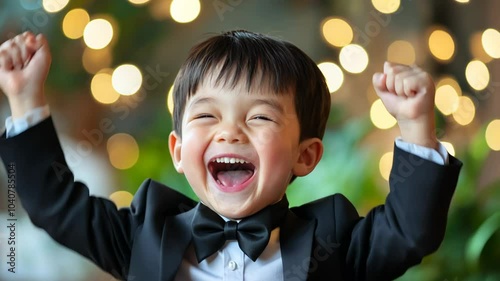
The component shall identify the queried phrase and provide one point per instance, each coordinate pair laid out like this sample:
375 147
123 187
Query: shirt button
232 265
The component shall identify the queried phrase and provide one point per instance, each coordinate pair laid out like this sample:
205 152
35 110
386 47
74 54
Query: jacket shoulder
334 214
156 201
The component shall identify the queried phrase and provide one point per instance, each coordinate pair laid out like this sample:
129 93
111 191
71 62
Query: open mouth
231 172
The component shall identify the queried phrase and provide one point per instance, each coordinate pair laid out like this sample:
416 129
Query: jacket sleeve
410 225
89 225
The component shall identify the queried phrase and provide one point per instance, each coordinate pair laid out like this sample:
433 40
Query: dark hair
241 54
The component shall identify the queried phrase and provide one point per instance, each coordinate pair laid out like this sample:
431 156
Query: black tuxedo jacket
322 240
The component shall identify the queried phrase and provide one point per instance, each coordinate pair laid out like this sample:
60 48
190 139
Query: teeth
229 160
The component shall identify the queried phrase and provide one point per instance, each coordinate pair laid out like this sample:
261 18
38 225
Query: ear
174 145
310 151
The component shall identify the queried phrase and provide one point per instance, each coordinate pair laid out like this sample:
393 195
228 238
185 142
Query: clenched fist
408 94
24 65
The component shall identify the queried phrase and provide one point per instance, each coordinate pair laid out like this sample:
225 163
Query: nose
230 133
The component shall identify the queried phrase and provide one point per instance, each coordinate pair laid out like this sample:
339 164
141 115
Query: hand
24 65
408 94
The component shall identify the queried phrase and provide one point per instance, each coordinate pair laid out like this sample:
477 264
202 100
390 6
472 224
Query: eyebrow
270 102
198 101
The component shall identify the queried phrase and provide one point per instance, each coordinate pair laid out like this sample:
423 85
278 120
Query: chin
235 210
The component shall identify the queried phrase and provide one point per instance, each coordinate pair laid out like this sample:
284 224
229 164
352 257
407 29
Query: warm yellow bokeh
491 42
477 75
127 79
449 147
184 11
451 81
337 32
385 165
74 23
157 9
492 135
465 112
98 34
401 51
54 6
380 117
123 151
170 100
441 45
386 6
446 99
333 75
102 89
122 199
353 58
476 48
95 60
138 2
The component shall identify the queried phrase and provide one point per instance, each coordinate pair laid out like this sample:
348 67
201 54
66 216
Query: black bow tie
210 231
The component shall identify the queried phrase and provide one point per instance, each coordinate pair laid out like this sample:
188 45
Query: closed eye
262 117
204 115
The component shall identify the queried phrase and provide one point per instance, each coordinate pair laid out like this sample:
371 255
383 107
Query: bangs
240 57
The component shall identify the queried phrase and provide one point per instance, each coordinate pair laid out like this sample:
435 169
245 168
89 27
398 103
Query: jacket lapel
176 238
296 239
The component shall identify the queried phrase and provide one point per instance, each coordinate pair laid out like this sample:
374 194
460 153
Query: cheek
194 144
277 148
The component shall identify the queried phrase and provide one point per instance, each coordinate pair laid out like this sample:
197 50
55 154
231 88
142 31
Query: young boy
250 112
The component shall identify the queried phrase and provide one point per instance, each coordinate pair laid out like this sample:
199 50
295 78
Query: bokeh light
138 2
401 51
127 79
333 75
98 33
386 6
492 134
477 75
122 199
462 1
102 88
74 23
95 60
353 58
184 11
170 100
157 9
123 151
465 112
451 81
380 117
337 32
54 6
449 147
385 164
441 45
446 99
476 48
491 42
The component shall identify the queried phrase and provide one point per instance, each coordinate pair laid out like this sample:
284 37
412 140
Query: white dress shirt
229 263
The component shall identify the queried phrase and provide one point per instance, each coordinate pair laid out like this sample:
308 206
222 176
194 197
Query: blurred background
114 63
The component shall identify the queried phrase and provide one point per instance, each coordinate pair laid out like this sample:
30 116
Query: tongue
233 178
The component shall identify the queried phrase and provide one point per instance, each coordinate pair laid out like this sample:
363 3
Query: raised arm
54 201
412 222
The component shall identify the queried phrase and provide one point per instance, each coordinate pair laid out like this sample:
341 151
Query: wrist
22 104
420 131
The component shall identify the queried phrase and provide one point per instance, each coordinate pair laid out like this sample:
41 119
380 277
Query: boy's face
239 150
